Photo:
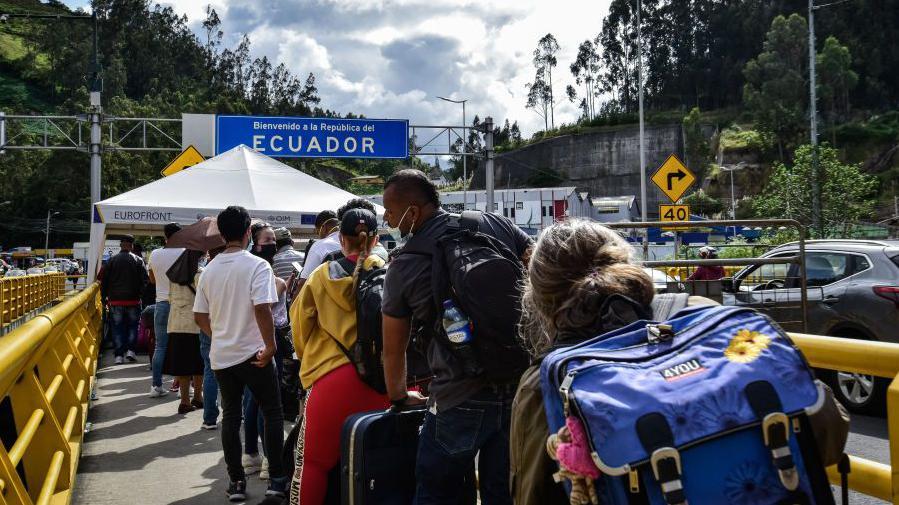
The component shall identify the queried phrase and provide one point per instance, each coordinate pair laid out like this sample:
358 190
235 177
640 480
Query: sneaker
184 408
119 360
277 487
130 356
252 463
157 391
209 427
175 387
263 470
237 491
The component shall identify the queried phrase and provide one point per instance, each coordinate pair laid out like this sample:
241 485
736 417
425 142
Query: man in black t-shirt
466 415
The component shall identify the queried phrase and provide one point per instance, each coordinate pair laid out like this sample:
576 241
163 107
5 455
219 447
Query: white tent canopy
267 188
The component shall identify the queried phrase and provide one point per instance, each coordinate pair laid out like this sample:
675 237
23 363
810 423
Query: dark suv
853 292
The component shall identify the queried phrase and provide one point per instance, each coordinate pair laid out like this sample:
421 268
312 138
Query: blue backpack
710 407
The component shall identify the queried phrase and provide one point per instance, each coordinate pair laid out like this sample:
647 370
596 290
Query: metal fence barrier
715 289
870 358
47 369
22 295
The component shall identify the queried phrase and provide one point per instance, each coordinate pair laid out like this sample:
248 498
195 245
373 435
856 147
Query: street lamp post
644 204
464 150
47 233
733 200
817 218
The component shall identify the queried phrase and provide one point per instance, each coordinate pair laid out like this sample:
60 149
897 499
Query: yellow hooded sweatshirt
325 311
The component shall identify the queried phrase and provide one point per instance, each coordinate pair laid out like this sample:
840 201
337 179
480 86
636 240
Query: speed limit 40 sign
673 213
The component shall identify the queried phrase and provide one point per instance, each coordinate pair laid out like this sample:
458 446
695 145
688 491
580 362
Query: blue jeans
253 424
449 442
160 327
210 386
124 327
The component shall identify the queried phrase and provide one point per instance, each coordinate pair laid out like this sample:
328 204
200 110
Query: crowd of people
240 320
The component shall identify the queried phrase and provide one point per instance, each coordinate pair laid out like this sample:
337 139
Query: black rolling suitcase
377 457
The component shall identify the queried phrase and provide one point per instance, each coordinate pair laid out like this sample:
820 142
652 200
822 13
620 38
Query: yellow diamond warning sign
188 158
673 178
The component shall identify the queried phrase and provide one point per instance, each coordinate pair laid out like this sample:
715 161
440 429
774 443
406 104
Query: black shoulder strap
471 220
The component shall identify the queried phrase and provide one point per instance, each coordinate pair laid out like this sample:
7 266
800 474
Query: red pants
329 401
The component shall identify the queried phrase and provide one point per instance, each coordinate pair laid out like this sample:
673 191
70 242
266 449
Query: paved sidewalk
139 451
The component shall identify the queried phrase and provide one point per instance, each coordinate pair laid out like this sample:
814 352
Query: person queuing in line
264 247
253 424
573 270
707 272
183 359
327 227
467 416
210 386
160 261
286 256
323 316
234 306
360 203
122 282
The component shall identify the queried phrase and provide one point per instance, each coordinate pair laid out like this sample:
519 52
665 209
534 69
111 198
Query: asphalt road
869 439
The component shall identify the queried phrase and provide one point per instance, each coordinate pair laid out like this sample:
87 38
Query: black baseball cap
356 221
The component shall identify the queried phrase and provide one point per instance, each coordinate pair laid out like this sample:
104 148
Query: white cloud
390 58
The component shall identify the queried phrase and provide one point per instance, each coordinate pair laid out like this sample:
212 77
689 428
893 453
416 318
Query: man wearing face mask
474 414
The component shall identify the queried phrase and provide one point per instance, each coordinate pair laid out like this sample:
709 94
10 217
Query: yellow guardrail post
47 369
870 358
22 295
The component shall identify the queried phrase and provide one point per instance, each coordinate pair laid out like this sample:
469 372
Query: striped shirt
283 261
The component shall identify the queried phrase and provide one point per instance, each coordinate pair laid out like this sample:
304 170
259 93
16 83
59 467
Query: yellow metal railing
47 369
21 295
870 358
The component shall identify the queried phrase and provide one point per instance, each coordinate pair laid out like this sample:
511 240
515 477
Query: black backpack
483 278
365 354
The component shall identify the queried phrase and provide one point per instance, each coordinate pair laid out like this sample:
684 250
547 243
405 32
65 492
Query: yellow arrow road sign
673 178
188 158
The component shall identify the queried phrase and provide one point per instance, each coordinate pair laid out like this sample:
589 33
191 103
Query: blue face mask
397 234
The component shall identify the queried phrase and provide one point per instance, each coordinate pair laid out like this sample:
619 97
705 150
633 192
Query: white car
660 280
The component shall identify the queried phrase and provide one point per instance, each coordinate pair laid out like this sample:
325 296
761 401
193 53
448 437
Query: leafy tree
618 39
697 146
515 134
703 204
539 96
545 60
776 90
584 69
835 79
847 193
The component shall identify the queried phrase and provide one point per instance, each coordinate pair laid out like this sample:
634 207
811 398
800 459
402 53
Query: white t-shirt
160 261
318 251
229 287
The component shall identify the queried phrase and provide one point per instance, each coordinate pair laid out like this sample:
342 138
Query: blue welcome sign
309 137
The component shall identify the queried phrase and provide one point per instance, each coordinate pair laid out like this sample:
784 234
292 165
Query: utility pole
817 224
488 154
643 203
95 118
47 234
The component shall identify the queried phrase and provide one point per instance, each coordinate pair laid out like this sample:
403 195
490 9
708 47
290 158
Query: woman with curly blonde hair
581 283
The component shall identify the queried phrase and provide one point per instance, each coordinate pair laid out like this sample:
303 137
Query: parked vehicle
853 292
662 282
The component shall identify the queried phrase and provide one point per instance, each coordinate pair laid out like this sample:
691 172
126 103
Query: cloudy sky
391 58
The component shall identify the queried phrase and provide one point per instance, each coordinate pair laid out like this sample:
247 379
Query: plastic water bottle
460 334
